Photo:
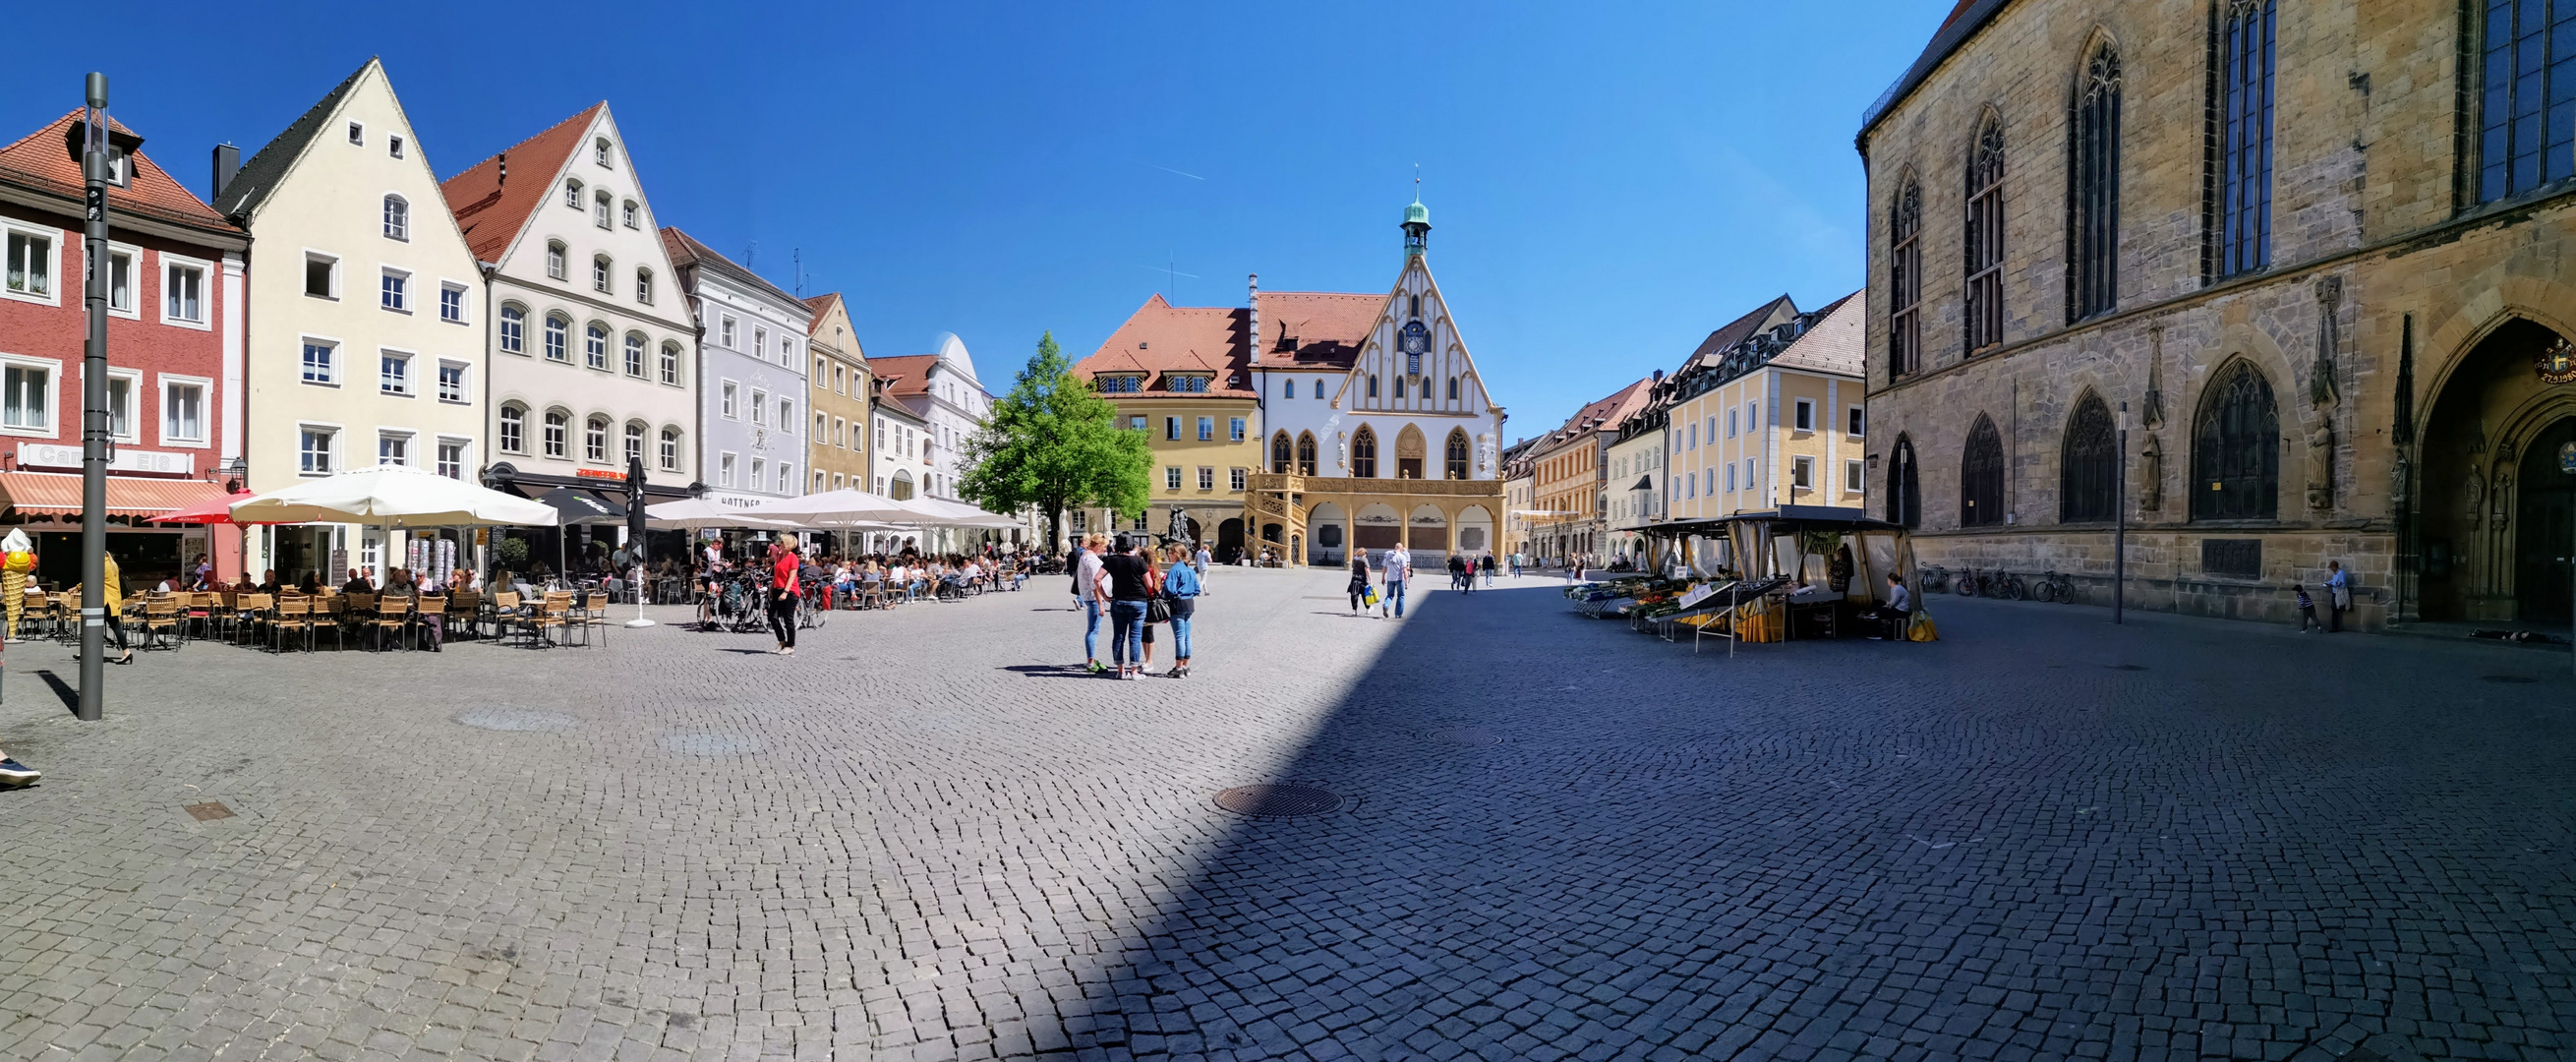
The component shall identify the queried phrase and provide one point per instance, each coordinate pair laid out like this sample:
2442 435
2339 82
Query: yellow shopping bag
1919 629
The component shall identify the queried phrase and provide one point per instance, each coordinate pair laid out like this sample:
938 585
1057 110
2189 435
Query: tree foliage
1053 444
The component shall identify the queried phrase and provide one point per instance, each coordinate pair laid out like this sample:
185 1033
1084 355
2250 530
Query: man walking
1398 569
1199 563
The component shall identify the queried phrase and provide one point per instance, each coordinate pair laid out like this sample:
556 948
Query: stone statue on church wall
2474 490
2501 499
2400 478
1342 450
2321 465
2151 476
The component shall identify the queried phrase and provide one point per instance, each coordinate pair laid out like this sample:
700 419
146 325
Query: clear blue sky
1607 183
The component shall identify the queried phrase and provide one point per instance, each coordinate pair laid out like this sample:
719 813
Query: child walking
2307 612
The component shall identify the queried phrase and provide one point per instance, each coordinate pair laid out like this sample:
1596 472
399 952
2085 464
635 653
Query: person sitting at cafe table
357 584
397 583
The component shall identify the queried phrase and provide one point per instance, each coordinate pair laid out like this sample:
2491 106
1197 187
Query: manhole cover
1278 801
2125 667
515 719
1474 737
208 811
2511 678
710 744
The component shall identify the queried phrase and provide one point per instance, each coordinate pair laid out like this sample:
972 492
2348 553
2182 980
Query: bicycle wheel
2010 589
1966 586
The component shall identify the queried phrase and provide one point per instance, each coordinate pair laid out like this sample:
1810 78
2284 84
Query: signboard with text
159 462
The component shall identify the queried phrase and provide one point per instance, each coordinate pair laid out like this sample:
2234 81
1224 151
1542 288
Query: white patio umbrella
689 514
840 508
393 496
957 514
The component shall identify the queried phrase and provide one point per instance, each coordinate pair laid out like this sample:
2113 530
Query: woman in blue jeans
1123 572
1181 584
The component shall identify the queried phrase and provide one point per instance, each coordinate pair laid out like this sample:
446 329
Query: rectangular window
1805 416
1748 473
393 146
1858 422
1235 480
1851 477
1730 423
1135 423
1753 416
1172 428
671 364
1172 477
1207 429
726 404
357 133
313 451
2524 127
394 375
451 382
1730 476
759 407
1234 428
1802 473
451 303
183 411
120 282
759 473
1692 433
725 332
724 471
760 343
1207 478
31 265
183 292
318 363
393 448
451 458
786 478
120 405
395 292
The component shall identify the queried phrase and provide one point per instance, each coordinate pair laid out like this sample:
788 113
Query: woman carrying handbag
1158 607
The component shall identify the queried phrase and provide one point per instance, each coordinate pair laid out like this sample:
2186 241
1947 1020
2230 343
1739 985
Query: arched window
599 209
1905 280
1457 452
644 286
1305 453
2093 190
1904 486
594 346
397 218
599 270
2244 229
558 423
572 194
514 428
599 150
1319 388
1981 476
1453 388
594 439
1290 391
1985 234
1372 391
634 440
1280 454
671 363
1399 387
1364 452
555 260
670 449
2236 449
514 328
2089 465
635 354
558 337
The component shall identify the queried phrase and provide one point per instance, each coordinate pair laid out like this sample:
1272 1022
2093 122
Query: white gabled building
593 346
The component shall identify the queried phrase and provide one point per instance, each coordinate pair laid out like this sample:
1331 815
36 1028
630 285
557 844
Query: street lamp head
2124 416
97 90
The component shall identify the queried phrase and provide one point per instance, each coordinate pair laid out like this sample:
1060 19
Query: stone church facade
2275 284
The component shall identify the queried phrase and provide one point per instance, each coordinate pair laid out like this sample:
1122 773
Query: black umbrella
578 508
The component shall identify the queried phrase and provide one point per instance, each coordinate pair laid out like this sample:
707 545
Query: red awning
59 494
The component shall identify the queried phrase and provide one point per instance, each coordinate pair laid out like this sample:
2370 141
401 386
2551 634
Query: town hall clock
1415 340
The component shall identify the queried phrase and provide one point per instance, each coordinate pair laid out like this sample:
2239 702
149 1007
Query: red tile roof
1161 341
1602 414
1314 328
905 376
820 304
38 161
489 209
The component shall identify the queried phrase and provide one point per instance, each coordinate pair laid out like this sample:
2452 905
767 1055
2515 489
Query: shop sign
599 473
158 462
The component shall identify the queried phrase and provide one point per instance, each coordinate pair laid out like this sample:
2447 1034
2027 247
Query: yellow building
1776 419
1178 375
836 453
1570 475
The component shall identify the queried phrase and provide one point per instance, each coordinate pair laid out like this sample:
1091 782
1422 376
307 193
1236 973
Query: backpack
1073 568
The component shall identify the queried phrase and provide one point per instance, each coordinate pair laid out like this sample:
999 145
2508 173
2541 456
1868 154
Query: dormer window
1122 384
1188 384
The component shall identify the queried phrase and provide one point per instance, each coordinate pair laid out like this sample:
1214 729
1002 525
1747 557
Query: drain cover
514 719
207 811
1474 737
2511 678
1278 801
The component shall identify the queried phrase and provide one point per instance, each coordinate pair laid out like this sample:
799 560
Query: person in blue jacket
1182 585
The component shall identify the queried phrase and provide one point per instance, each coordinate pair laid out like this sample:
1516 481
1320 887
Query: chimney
1252 298
227 166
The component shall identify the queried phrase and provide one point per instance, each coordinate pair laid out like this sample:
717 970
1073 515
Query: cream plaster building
366 336
1177 375
836 448
1775 419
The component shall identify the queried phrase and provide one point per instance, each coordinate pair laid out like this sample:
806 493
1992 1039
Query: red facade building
176 325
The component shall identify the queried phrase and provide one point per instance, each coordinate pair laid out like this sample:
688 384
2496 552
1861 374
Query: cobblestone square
928 837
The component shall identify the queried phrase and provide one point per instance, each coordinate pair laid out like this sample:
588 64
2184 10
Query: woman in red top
782 593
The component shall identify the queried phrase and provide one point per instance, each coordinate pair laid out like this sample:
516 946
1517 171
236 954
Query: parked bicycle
1933 578
1998 584
2053 587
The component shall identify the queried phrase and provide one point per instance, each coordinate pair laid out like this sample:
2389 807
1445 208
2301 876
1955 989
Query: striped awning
59 494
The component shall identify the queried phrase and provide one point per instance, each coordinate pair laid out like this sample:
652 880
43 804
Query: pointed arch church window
1305 453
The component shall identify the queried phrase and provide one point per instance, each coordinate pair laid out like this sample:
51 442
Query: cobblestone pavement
925 837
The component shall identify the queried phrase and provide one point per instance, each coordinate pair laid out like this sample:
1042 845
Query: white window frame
500 438
54 244
1802 415
634 214
332 452
133 378
464 455
1171 477
669 366
666 446
357 134
464 381
1802 472
410 384
786 477
599 149
204 438
1853 476
464 301
406 437
727 332
1234 480
500 328
53 394
602 209
388 199
394 147
558 261
205 270
308 340
133 310
1207 477
724 469
759 477
759 407
640 367
607 435
572 194
606 361
403 276
728 401
545 446
643 286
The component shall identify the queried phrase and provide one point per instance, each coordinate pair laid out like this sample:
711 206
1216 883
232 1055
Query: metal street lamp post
94 423
635 529
2120 520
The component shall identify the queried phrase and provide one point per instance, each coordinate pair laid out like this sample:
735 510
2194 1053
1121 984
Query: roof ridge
523 143
261 173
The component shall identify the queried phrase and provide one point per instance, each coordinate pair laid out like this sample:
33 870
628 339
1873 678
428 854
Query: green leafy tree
1053 444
